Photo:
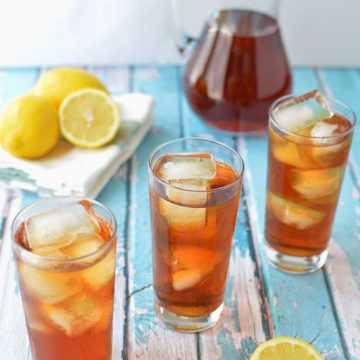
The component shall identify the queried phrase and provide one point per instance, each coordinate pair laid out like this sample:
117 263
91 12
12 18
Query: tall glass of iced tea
194 192
65 253
309 143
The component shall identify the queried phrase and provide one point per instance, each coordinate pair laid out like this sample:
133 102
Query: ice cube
323 129
188 166
78 315
185 279
106 318
84 246
49 287
292 154
35 319
315 184
40 326
187 192
303 111
60 318
326 155
100 274
190 265
59 227
183 218
325 147
293 214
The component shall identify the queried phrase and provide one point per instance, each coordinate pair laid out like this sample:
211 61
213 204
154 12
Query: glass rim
222 188
33 256
277 102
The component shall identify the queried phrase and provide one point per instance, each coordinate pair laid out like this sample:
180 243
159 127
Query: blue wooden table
261 302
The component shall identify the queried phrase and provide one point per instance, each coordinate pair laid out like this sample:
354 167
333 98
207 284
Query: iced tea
236 71
307 159
194 201
65 254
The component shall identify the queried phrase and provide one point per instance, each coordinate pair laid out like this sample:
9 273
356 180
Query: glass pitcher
238 66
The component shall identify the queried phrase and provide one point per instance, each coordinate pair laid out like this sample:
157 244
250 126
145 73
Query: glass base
295 264
189 324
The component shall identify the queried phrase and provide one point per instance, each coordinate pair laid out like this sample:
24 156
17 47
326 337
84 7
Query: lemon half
89 118
285 348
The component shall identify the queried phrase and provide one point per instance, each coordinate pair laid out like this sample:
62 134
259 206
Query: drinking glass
305 173
67 286
195 188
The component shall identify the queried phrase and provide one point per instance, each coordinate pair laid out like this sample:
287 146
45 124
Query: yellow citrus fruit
29 127
57 84
89 118
285 348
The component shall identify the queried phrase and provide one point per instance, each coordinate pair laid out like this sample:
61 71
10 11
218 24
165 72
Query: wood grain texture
343 267
147 337
244 322
115 197
260 301
345 86
300 306
13 336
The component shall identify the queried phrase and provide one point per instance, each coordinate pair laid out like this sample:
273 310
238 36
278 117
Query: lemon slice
89 118
285 348
293 214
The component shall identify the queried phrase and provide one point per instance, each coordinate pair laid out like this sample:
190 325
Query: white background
111 32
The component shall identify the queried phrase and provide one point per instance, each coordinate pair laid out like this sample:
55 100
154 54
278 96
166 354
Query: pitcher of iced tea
238 66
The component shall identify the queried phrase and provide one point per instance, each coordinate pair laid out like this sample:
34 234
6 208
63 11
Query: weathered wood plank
244 320
343 266
6 196
295 308
300 306
345 86
115 197
147 337
13 337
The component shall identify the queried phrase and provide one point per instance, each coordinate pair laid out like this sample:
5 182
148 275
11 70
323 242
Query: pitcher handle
183 42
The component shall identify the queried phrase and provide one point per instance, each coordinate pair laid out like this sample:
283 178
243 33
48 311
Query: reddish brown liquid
237 70
74 326
191 253
304 182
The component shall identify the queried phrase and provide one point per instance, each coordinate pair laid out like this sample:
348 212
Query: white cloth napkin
69 170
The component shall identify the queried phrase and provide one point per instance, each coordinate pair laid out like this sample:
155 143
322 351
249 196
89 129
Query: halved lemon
285 348
89 118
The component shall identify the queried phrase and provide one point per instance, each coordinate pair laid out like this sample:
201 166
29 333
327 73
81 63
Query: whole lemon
57 84
29 127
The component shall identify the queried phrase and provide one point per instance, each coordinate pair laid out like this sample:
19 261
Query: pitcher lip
272 14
